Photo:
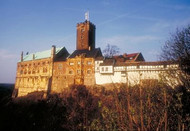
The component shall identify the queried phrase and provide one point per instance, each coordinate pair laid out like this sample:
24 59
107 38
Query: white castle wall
132 74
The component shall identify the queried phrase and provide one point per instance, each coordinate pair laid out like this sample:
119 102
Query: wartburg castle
54 70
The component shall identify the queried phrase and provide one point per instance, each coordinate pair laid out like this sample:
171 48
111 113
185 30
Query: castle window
106 68
78 71
78 62
44 70
70 72
21 72
102 68
71 63
89 62
88 71
60 66
97 68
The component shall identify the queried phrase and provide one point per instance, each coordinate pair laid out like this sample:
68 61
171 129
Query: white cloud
125 39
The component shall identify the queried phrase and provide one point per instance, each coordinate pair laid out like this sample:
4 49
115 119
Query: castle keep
52 71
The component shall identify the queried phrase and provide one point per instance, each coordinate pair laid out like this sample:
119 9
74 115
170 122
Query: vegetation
110 51
177 49
155 107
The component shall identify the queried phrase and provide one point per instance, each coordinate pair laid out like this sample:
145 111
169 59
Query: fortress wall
33 76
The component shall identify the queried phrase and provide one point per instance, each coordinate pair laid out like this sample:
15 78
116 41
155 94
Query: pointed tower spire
87 16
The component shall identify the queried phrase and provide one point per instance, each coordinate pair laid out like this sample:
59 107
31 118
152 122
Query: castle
52 71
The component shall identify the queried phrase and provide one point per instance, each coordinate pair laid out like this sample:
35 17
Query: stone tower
85 35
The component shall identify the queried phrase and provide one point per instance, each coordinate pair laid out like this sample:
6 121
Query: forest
144 108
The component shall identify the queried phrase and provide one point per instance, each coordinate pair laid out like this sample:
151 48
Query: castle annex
53 70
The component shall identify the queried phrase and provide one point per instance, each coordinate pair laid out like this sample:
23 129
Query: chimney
125 55
21 58
33 56
53 51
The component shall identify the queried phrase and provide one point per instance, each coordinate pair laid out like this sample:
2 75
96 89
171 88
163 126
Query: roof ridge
44 50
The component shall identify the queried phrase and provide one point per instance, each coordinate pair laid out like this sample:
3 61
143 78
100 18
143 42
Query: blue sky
133 25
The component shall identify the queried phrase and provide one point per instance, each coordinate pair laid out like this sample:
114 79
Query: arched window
89 71
70 72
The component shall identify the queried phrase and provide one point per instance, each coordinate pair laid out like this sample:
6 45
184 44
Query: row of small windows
34 64
149 67
104 69
144 67
30 79
80 71
88 63
32 71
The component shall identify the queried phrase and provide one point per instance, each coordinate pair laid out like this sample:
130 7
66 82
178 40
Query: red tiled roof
126 57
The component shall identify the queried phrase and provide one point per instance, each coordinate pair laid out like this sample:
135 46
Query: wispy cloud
168 26
175 7
6 55
126 14
8 64
105 2
125 39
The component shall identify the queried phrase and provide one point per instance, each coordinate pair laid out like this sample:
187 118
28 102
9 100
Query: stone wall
33 76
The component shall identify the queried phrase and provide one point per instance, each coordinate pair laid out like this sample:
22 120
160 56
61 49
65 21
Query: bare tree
110 51
177 48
